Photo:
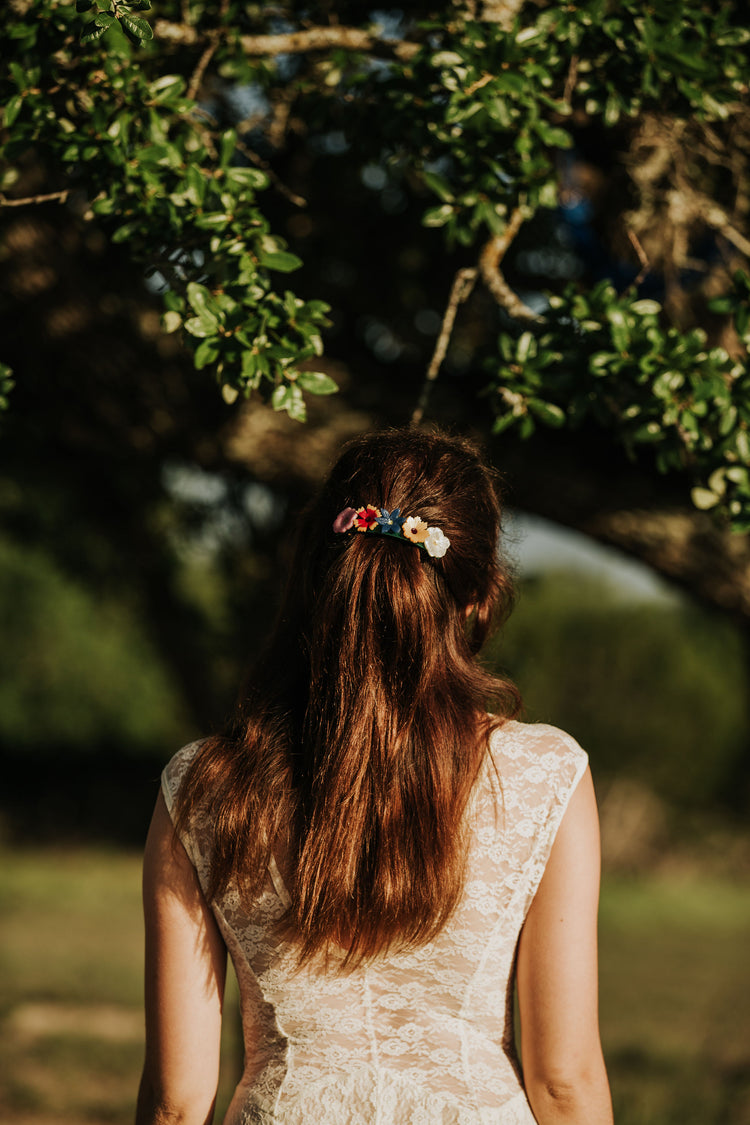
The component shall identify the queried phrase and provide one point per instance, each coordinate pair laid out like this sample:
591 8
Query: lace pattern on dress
423 1037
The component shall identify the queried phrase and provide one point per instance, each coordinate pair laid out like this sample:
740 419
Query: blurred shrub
76 671
654 690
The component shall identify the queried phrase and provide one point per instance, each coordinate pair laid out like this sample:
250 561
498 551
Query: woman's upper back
429 1028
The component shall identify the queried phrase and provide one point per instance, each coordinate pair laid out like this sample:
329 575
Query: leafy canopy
119 105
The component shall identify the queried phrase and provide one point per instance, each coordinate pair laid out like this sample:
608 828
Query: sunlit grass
675 995
675 987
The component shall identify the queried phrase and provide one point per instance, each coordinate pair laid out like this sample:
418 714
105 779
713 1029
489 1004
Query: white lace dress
421 1038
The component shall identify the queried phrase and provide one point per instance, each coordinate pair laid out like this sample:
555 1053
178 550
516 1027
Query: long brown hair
364 724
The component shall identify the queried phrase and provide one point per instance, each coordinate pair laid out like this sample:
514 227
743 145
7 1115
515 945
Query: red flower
366 518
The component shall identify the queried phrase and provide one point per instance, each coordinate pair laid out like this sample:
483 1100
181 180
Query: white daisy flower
436 543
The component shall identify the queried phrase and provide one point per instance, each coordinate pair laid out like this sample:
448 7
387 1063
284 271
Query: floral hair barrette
378 521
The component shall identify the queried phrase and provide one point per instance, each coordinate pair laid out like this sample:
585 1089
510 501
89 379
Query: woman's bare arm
185 973
564 1073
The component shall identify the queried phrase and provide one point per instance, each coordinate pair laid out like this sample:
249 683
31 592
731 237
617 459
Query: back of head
367 722
439 479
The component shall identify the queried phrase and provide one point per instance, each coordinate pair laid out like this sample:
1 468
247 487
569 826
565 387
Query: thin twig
570 81
282 108
480 82
717 218
197 75
297 200
642 258
490 257
463 283
50 197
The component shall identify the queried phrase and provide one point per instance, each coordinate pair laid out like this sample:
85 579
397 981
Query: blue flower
390 522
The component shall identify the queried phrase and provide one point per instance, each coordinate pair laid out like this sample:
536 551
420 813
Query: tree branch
570 81
297 200
297 42
642 258
197 75
281 109
490 257
491 254
50 197
463 283
717 218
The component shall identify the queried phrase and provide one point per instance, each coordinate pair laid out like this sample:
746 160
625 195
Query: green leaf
104 206
12 109
704 499
251 177
105 20
250 370
167 86
440 186
196 185
317 310
280 260
227 147
215 219
139 29
733 37
438 216
289 398
503 422
549 194
525 347
21 80
206 352
91 32
317 383
171 321
612 110
446 59
526 426
527 34
646 307
620 331
202 326
553 135
717 482
728 421
547 412
201 301
125 231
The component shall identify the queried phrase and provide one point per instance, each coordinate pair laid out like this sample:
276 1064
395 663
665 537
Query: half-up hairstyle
364 725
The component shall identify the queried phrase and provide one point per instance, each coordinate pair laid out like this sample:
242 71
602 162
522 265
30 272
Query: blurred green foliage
129 120
75 671
653 690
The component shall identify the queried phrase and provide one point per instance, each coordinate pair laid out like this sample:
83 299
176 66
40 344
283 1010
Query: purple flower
344 520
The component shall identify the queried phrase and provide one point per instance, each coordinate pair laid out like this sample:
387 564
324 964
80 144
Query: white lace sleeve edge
171 778
581 760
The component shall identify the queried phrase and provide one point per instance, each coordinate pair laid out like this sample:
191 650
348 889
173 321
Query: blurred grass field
675 995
